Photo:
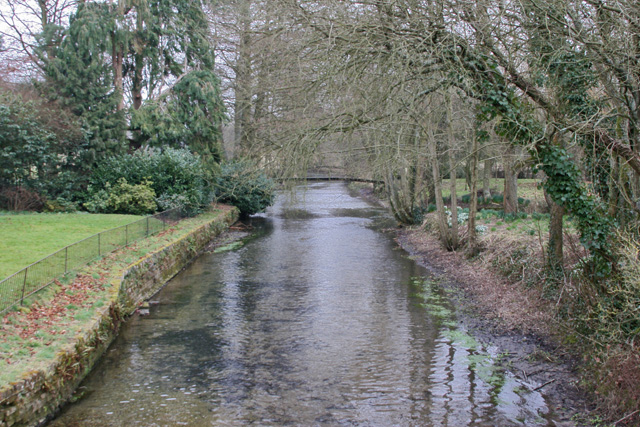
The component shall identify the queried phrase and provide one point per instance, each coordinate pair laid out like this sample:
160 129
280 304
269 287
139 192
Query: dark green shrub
124 198
177 177
431 208
497 198
418 213
242 185
524 202
510 217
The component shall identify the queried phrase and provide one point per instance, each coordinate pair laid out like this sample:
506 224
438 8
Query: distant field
26 238
527 188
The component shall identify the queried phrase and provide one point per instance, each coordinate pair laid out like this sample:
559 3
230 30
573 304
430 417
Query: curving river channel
319 319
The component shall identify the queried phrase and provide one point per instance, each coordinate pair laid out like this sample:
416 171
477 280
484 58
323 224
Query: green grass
38 351
527 188
26 238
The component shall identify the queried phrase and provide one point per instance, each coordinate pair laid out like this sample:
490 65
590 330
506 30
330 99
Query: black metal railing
37 276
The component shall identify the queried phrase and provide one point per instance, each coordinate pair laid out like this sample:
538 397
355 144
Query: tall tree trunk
472 243
136 90
453 181
555 253
242 104
486 178
510 201
443 228
117 59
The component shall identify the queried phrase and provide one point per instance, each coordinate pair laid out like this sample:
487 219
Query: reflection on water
319 320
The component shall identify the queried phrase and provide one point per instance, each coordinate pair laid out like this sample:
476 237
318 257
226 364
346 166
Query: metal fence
15 288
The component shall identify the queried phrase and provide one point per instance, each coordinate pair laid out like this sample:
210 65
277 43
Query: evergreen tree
190 114
171 43
155 54
81 78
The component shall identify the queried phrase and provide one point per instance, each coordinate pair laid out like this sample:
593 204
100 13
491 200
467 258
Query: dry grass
496 296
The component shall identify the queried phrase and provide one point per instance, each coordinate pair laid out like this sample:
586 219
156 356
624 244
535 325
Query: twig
547 383
626 417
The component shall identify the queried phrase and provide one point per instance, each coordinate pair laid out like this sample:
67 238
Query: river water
317 320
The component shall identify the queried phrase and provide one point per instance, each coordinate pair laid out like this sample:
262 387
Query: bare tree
28 25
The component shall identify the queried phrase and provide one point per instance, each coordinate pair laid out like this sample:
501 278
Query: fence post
147 226
126 235
24 285
66 259
99 244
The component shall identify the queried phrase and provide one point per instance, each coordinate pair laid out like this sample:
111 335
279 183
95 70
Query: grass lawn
30 338
26 238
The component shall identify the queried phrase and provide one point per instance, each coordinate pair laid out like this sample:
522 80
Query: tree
189 113
31 29
82 81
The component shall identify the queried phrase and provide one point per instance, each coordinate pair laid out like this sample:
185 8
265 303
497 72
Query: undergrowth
608 316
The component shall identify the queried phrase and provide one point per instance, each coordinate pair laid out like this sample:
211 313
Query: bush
524 202
43 150
124 198
176 176
607 313
418 214
242 185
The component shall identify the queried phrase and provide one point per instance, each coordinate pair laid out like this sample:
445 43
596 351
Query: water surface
319 320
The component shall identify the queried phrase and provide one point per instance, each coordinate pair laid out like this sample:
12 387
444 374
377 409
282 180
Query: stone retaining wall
36 398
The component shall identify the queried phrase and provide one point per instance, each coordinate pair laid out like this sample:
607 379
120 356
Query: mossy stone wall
34 399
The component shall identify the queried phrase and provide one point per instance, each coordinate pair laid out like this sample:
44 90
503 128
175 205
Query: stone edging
35 399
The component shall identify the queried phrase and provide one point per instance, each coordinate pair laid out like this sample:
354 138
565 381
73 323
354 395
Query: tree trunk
242 104
486 178
472 243
136 90
117 71
510 201
614 192
453 181
443 228
555 255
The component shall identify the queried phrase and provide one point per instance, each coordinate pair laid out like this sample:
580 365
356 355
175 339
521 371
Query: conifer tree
83 81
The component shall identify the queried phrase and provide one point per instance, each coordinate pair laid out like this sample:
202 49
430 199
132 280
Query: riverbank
510 293
509 317
50 346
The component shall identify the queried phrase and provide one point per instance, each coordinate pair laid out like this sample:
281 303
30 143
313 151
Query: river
318 319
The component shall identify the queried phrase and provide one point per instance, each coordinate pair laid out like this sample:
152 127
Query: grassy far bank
28 237
527 188
53 318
